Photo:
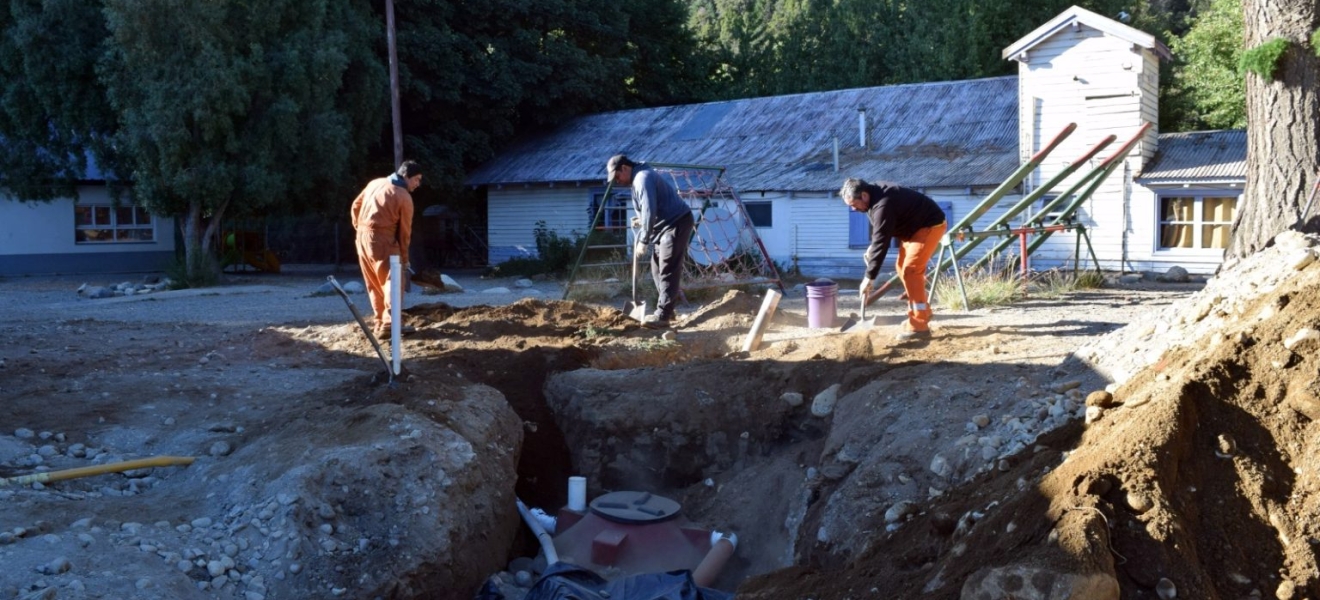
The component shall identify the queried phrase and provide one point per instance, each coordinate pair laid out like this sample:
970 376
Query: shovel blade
857 323
635 310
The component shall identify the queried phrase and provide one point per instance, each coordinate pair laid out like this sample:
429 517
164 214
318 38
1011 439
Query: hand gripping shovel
636 311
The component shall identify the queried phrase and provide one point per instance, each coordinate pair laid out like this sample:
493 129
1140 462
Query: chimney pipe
836 154
861 126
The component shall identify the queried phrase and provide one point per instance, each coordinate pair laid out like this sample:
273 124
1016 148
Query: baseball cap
616 161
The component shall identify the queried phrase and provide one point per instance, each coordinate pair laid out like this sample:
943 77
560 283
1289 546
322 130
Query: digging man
918 223
666 221
382 217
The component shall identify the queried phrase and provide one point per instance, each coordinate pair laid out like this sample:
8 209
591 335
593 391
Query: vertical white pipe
396 309
861 126
836 154
577 493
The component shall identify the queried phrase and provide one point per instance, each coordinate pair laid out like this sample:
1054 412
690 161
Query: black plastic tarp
563 581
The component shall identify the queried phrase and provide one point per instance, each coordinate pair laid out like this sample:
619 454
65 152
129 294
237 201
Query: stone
450 284
793 399
1139 503
900 510
1176 274
24 433
1299 259
56 566
1100 398
221 448
940 466
1165 589
1305 334
823 404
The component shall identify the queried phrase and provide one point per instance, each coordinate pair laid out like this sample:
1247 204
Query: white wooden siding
1108 86
512 215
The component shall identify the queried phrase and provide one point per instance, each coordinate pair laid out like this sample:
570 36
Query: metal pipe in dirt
363 324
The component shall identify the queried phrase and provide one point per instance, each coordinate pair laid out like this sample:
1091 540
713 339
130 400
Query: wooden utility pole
394 84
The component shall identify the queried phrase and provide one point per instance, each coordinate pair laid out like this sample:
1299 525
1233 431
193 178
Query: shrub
989 285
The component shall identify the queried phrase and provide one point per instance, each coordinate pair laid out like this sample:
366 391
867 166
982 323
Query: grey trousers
671 248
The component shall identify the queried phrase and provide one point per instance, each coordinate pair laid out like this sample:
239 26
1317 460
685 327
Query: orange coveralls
382 217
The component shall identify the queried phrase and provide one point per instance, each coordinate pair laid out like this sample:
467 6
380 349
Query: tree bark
1283 120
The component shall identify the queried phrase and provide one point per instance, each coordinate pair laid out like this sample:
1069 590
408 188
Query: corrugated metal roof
945 134
1198 156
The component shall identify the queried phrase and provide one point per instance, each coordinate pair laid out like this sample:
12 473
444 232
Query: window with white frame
615 215
112 225
1200 221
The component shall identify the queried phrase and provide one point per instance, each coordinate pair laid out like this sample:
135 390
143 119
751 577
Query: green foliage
1055 283
555 254
1207 89
1315 42
261 111
989 285
53 114
1263 60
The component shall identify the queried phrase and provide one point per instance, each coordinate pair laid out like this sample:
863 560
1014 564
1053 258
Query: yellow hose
128 465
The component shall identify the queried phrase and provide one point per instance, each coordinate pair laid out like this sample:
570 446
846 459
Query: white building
1171 202
88 234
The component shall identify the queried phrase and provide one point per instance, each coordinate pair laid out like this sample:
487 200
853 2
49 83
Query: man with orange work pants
382 217
918 223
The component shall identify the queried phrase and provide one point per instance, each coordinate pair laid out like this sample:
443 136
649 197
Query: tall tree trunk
197 236
1283 122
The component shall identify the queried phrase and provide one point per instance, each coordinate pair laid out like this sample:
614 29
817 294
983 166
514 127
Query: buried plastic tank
623 545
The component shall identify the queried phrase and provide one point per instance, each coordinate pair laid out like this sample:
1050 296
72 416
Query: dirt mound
525 318
1198 475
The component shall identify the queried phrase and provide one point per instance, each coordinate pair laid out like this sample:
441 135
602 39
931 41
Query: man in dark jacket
666 221
918 223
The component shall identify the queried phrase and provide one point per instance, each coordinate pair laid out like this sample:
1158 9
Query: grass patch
1055 283
1001 285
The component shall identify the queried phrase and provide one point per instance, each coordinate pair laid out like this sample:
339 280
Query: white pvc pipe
396 308
722 546
577 494
547 544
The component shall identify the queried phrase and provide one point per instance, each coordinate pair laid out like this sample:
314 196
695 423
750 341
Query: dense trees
227 108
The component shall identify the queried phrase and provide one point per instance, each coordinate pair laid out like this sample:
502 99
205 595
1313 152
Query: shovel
636 310
858 323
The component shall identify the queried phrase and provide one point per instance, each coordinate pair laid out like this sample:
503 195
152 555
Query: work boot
908 336
656 321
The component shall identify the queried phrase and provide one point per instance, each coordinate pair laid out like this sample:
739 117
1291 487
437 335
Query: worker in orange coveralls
918 223
382 217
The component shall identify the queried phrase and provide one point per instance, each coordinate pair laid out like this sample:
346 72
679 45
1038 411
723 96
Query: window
1196 221
616 210
759 213
109 225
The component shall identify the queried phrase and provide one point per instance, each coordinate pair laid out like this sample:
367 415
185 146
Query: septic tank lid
635 507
